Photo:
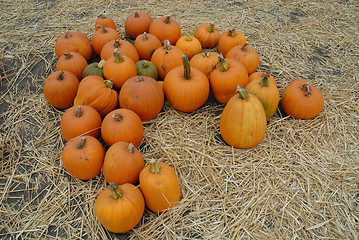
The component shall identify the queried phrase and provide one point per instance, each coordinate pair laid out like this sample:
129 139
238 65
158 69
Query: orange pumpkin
186 88
142 95
103 36
300 99
60 89
125 48
122 125
166 28
208 35
205 62
79 121
266 90
160 187
247 55
243 122
73 62
123 163
229 39
146 44
229 73
73 42
83 158
120 208
105 22
137 23
166 58
98 93
189 45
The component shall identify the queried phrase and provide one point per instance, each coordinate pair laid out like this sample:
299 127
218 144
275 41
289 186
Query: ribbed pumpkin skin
137 23
84 163
80 120
243 122
73 62
207 37
128 129
247 55
122 164
298 104
94 92
125 48
161 190
190 45
122 214
146 68
229 39
163 30
205 62
146 44
143 95
73 41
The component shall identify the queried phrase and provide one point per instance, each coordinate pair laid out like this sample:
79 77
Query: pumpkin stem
145 64
232 32
117 117
186 67
206 54
140 79
78 111
67 55
167 44
101 63
131 148
67 34
103 28
222 63
244 48
102 16
264 81
61 75
188 38
108 83
210 28
117 42
81 143
306 88
116 191
118 57
167 20
155 167
145 37
137 15
243 93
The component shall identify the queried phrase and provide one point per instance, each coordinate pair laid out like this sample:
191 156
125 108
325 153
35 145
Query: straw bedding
300 182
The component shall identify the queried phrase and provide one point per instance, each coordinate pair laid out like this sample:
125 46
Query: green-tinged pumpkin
95 68
146 68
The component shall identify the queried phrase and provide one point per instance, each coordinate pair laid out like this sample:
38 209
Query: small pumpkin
120 208
160 187
137 23
95 68
146 68
189 45
83 158
60 89
266 90
186 88
103 36
80 120
229 39
122 125
73 62
73 41
243 122
208 35
205 62
247 55
302 100
123 163
146 44
166 28
143 95
104 21
125 48
98 93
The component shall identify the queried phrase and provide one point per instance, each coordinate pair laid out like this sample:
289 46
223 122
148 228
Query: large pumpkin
73 41
300 99
120 208
243 122
166 28
137 23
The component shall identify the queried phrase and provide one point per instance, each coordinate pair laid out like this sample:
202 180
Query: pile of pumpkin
138 77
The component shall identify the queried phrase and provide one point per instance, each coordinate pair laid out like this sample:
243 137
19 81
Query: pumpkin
73 62
166 58
259 75
137 23
123 163
122 125
120 208
160 187
205 62
229 39
189 45
186 88
146 44
125 48
301 100
98 93
119 68
146 68
80 120
266 90
225 78
247 55
95 68
166 28
103 36
104 21
73 41
83 158
143 95
243 122
208 35
60 89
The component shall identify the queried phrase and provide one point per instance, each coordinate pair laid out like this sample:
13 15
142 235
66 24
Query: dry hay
301 182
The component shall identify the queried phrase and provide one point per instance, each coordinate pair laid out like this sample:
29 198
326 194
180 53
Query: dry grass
301 182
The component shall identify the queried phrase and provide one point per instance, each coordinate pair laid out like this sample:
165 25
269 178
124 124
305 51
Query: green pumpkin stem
61 75
145 64
137 15
101 63
155 167
210 28
102 16
78 111
103 28
118 57
166 44
117 42
167 20
264 81
140 79
81 143
306 89
186 67
188 38
108 83
243 93
67 55
116 191
117 117
131 148
232 32
222 63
